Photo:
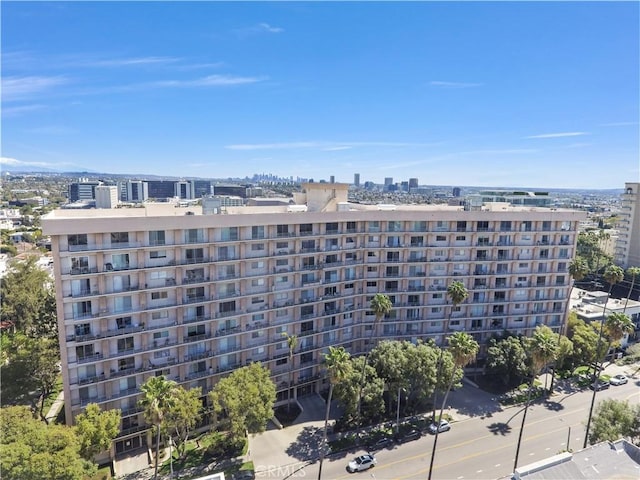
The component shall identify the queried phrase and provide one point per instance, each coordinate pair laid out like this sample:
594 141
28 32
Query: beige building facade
627 253
167 290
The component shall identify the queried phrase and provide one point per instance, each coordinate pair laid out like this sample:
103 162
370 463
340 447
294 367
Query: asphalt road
484 447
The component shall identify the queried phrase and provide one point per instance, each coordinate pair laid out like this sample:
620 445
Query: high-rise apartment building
168 290
106 196
627 252
356 179
83 190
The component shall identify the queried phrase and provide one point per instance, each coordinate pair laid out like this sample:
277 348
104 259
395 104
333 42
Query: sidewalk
56 406
285 450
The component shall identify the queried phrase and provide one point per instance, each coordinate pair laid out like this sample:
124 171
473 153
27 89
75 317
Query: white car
363 462
444 427
618 379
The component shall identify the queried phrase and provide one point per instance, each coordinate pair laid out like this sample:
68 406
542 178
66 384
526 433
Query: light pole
400 389
171 456
568 435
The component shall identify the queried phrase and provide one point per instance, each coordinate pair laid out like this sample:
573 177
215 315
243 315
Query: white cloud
436 83
268 28
337 148
126 62
13 111
15 88
258 29
18 163
619 124
209 81
326 146
559 135
51 130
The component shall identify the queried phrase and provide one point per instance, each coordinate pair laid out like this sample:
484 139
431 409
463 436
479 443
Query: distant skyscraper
413 183
627 252
332 179
388 181
356 179
456 191
83 190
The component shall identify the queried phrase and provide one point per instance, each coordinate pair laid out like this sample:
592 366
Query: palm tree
616 324
458 293
380 305
156 400
613 274
292 343
337 362
602 237
463 349
543 348
578 269
633 272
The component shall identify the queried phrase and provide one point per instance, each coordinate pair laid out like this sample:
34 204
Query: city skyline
487 94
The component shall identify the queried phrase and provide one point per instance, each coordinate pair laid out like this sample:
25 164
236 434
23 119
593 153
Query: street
484 447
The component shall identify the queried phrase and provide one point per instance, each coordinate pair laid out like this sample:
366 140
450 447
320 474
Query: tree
360 401
617 325
96 429
183 415
463 348
32 367
633 272
246 397
157 398
543 348
28 300
506 359
338 367
613 274
32 449
457 293
585 341
614 419
380 305
292 343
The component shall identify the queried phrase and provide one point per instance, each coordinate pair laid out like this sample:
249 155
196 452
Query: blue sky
540 94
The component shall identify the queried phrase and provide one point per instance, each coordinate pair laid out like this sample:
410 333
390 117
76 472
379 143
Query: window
125 344
461 226
79 265
394 226
523 265
159 295
161 314
256 300
505 226
229 234
437 296
371 269
158 254
308 245
119 238
372 284
306 229
439 253
156 237
436 309
441 238
255 265
257 233
461 238
257 282
331 227
420 226
256 247
282 230
77 242
374 226
482 226
282 361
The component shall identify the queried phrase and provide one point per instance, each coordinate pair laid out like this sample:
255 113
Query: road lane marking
474 440
465 458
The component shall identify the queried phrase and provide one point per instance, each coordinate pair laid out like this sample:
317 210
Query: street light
400 389
568 435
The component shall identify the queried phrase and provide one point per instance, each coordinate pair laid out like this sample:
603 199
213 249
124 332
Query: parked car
599 385
409 435
381 443
619 379
363 462
444 427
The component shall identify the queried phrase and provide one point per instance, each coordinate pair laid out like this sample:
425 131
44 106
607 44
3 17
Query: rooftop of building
590 305
603 461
